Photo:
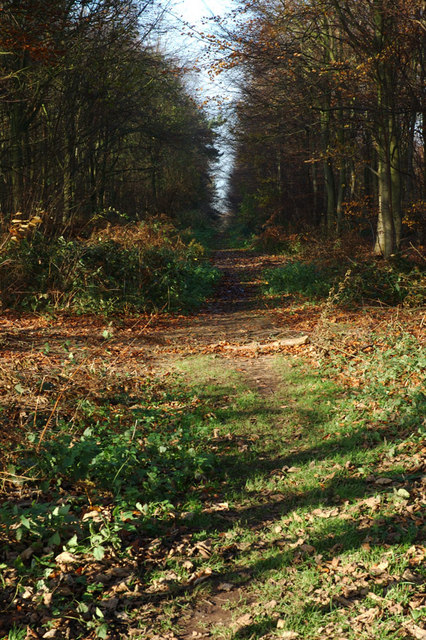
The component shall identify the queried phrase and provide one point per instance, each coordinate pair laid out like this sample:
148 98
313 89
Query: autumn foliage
331 116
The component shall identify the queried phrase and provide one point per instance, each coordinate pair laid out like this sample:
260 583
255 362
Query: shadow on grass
240 462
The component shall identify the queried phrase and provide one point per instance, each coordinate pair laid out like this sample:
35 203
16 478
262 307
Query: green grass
297 277
305 498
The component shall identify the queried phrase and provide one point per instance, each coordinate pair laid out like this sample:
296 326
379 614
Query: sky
191 17
195 10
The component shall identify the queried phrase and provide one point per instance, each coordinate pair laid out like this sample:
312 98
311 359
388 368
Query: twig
346 353
14 475
151 318
417 251
55 406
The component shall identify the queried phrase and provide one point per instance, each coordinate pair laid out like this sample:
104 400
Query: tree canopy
331 119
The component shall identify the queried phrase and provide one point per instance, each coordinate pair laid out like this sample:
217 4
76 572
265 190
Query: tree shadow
238 465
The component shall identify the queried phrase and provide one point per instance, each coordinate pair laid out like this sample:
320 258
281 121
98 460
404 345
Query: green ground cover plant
351 283
303 503
297 277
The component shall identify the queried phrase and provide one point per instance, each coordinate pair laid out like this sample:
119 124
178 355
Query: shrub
385 283
140 267
390 283
275 238
297 277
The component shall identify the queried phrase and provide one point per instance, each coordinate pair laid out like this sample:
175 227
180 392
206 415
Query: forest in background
212 427
94 116
330 129
99 133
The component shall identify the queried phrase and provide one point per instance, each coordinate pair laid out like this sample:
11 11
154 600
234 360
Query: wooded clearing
200 476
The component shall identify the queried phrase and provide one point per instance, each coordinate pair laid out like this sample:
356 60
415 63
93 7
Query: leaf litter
265 546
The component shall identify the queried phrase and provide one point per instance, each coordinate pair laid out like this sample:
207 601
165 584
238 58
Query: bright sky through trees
194 17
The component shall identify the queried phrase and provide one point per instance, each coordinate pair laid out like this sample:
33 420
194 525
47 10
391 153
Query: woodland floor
309 525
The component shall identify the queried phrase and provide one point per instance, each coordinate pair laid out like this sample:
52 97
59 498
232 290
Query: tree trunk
395 180
330 185
385 229
388 173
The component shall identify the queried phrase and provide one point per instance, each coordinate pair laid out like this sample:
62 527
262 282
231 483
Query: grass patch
297 278
153 495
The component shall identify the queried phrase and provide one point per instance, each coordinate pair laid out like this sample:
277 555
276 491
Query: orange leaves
19 227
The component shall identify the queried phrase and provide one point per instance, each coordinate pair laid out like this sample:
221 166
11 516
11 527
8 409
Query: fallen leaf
372 502
416 632
244 620
66 558
378 569
294 545
307 548
383 481
403 493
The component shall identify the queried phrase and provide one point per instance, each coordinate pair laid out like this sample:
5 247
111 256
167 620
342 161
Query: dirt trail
238 314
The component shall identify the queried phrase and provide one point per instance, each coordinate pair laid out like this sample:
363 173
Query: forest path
236 323
236 316
278 499
238 320
244 330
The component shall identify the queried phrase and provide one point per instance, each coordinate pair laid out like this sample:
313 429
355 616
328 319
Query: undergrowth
296 277
136 267
351 283
144 451
129 499
290 489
